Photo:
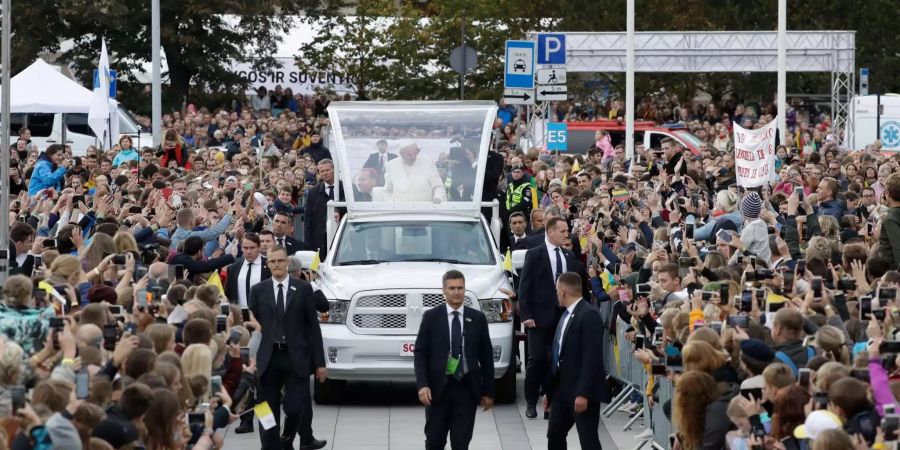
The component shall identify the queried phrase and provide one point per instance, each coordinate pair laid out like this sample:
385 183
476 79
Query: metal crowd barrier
631 375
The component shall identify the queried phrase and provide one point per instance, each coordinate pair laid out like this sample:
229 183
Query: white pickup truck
386 257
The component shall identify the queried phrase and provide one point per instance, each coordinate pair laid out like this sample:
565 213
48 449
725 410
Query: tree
33 26
352 44
199 38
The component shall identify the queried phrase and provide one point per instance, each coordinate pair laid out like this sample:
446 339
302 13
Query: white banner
754 154
286 74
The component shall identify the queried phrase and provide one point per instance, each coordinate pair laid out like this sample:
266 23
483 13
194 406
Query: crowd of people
128 321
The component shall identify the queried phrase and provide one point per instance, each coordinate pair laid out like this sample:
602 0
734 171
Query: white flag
98 116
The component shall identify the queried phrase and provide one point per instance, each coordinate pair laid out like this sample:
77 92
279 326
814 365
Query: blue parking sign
557 136
551 48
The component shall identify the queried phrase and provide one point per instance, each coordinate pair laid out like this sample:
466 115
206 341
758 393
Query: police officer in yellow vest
518 193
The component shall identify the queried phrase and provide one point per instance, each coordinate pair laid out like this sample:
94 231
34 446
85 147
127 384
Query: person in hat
816 423
754 239
315 149
756 355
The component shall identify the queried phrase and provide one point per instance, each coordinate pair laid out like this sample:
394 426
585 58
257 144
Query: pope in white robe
412 178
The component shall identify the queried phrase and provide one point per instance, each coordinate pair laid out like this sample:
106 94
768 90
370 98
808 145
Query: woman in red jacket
174 150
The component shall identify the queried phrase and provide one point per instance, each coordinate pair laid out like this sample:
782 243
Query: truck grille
392 312
389 321
382 301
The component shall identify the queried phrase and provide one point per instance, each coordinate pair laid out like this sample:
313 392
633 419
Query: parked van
46 129
864 112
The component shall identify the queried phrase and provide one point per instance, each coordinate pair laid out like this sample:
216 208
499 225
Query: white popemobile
387 254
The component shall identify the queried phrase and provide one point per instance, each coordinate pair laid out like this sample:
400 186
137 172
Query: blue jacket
128 154
836 208
45 176
703 233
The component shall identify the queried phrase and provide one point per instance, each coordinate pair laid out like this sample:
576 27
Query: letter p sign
551 48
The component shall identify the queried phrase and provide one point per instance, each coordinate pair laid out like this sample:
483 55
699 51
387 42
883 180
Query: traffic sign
519 96
551 48
112 81
519 66
463 59
557 136
864 81
552 92
551 76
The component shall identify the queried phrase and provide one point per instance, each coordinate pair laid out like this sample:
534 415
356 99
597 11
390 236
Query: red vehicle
582 134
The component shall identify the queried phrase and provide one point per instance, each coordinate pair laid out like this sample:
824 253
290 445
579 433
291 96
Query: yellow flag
46 287
576 167
265 415
314 265
216 281
507 261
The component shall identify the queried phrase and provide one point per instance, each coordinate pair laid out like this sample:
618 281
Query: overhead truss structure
725 51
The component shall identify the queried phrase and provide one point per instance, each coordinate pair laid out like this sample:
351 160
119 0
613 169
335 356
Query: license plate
407 348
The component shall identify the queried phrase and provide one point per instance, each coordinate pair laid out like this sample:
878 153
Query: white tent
41 88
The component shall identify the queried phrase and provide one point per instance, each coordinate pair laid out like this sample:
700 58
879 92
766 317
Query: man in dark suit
365 183
539 236
538 307
517 227
378 159
192 258
289 351
454 366
237 288
282 228
315 219
578 379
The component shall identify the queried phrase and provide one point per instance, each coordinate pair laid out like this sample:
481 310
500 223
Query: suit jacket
27 266
234 271
537 287
301 325
196 267
537 238
374 162
293 245
581 371
314 220
433 348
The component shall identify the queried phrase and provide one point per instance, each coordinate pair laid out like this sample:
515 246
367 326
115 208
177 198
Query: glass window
77 123
412 152
374 242
41 125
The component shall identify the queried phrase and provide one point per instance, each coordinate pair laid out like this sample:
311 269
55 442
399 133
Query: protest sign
754 154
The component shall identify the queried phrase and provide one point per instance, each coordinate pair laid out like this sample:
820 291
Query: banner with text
754 154
286 74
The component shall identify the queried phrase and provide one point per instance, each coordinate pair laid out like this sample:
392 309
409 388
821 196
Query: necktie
381 161
456 343
331 192
279 314
559 266
247 281
281 242
556 341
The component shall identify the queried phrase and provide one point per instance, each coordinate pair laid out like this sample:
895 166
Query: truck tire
329 392
505 387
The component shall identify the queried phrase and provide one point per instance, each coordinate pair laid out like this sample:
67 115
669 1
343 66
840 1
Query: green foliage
197 38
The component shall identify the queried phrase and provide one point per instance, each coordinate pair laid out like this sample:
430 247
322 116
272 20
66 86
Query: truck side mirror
518 259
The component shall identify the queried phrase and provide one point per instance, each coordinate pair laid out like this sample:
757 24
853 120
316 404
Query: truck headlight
496 310
337 312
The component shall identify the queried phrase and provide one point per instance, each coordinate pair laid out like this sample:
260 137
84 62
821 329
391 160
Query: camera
118 260
846 284
759 275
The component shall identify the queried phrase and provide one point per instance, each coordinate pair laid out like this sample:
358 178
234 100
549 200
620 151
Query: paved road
388 416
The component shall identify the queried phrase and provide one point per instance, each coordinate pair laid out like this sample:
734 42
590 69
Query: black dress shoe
314 444
531 412
287 444
246 426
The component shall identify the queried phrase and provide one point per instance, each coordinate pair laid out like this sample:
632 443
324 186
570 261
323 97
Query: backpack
783 357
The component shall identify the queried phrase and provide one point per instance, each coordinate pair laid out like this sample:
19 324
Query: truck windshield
365 243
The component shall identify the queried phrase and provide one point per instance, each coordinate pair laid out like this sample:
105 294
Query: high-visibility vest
514 195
